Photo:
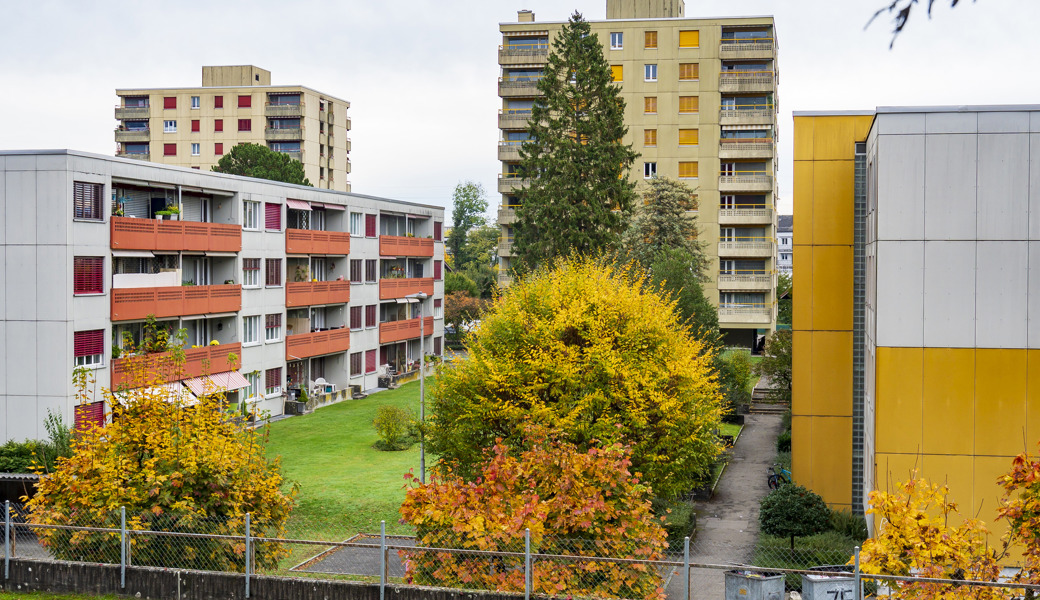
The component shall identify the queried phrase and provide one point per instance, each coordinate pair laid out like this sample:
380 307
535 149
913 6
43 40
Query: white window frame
275 391
251 330
617 39
357 219
196 102
169 126
254 386
650 72
251 215
251 278
649 170
91 362
269 331
196 149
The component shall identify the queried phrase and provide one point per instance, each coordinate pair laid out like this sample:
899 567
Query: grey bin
824 587
749 585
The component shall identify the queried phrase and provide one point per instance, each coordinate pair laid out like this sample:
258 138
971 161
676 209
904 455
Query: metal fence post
7 539
122 547
382 559
686 568
248 554
859 579
528 575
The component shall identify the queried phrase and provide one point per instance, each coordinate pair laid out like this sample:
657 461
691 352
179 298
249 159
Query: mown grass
46 596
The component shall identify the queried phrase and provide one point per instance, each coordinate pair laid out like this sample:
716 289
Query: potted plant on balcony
171 212
302 273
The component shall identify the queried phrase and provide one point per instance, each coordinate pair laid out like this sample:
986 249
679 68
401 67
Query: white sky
421 74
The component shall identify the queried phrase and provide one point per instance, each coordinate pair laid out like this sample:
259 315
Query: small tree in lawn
793 511
469 205
776 364
255 160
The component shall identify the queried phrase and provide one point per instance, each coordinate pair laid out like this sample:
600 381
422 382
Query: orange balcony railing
138 303
309 293
305 345
139 371
395 245
397 331
399 288
151 234
308 241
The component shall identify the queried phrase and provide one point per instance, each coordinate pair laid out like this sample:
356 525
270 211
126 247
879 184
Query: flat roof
162 166
832 113
951 108
130 90
536 23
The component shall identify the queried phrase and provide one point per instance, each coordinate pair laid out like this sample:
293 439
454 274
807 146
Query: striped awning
297 204
328 206
132 253
746 127
219 382
525 33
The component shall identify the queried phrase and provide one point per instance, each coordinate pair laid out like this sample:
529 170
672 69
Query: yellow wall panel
834 138
890 470
803 203
832 373
832 288
949 400
898 400
803 140
957 472
1033 399
833 202
987 493
1000 401
801 311
801 373
801 452
832 459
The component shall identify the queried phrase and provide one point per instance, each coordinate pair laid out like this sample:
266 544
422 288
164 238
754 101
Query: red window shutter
370 361
169 149
245 125
273 216
245 101
437 346
273 377
218 125
436 302
371 315
437 230
90 415
218 149
169 102
384 355
89 343
218 102
195 123
370 226
355 317
436 269
88 275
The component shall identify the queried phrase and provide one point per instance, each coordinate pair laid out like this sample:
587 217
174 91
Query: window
689 71
89 347
689 137
253 391
272 216
355 364
437 270
195 125
649 72
250 214
86 202
371 266
649 137
437 345
617 73
689 105
245 124
196 149
251 329
687 169
649 170
196 102
218 149
437 234
218 125
251 272
650 40
370 226
169 126
616 40
371 315
218 102
355 270
169 149
273 381
356 317
357 223
88 275
650 105
273 327
245 101
689 39
169 102
438 308
370 361
273 272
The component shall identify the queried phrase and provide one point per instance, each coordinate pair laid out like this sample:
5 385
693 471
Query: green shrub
783 442
850 525
784 458
680 520
793 511
785 421
392 424
22 457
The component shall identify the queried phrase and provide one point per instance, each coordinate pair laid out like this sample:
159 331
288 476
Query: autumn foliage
575 502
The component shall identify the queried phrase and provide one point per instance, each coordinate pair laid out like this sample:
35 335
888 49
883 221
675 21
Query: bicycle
778 476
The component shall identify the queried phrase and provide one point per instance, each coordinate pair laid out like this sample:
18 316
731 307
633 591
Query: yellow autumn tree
588 349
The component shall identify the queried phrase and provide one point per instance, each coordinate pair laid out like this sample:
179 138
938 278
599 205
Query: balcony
505 247
506 216
306 345
521 54
746 81
746 314
513 119
310 241
137 135
395 245
504 279
745 281
747 48
133 112
509 150
747 247
508 88
408 329
278 134
390 289
284 110
750 181
140 371
745 216
151 234
138 303
133 155
348 144
293 154
746 148
313 293
507 183
747 115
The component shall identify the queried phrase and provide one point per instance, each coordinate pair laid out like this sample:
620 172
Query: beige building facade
195 127
701 108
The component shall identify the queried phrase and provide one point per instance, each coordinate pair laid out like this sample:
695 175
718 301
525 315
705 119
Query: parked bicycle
778 476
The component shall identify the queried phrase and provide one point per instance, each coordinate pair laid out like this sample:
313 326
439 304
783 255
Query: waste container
825 587
754 585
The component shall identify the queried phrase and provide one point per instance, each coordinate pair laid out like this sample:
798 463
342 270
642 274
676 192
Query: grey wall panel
900 123
949 294
53 341
20 207
1003 192
1003 122
950 179
62 405
3 204
901 187
952 122
53 283
21 358
53 162
1000 294
1033 305
21 417
1034 186
20 281
53 206
900 294
25 162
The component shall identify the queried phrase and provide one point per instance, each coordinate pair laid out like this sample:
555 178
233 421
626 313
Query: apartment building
701 108
276 286
194 127
784 244
916 331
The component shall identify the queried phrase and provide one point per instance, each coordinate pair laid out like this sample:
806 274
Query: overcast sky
421 74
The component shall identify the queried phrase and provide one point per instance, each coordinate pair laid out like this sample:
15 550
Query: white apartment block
298 283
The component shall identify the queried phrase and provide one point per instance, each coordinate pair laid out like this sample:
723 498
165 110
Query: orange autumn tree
1020 507
575 502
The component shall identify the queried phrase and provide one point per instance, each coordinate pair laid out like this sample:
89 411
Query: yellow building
916 332
195 127
701 108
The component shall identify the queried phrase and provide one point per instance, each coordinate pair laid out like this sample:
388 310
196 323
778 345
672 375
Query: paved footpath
727 525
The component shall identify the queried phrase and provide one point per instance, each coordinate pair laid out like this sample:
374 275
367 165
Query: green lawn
730 429
45 596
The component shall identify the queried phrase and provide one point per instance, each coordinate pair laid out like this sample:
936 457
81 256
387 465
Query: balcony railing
509 150
750 180
151 234
506 216
408 329
306 345
138 303
745 313
746 212
134 155
395 245
505 247
758 144
511 54
140 371
750 113
746 247
513 118
284 110
310 241
133 135
746 48
312 293
743 280
743 81
133 112
294 154
274 134
507 183
517 87
390 289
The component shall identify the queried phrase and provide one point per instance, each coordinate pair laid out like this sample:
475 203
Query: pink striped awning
219 382
297 204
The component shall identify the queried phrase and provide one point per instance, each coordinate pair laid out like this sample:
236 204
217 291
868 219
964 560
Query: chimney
525 16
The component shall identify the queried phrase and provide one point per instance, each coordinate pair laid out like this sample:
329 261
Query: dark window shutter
355 317
437 303
169 149
273 216
170 102
371 316
370 361
87 200
436 269
245 125
218 102
89 343
88 275
437 230
370 226
245 101
195 124
218 149
90 415
384 355
218 125
437 346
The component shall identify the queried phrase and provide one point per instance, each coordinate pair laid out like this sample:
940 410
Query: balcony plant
302 273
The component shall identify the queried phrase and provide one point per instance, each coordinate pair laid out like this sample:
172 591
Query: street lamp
420 296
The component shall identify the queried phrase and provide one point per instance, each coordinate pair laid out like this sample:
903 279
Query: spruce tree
663 223
580 198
